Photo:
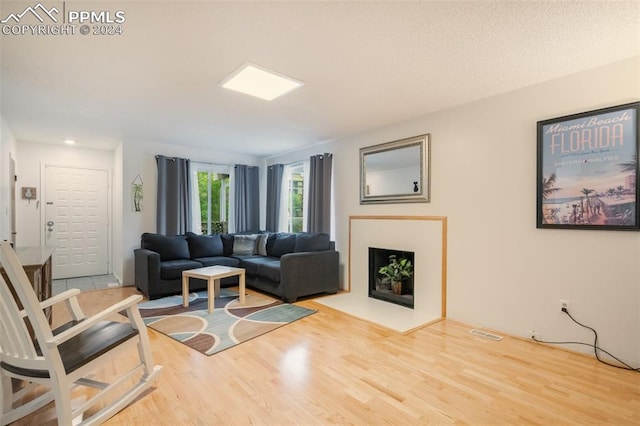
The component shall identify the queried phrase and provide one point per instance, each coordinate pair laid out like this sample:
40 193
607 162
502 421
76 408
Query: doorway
76 220
12 198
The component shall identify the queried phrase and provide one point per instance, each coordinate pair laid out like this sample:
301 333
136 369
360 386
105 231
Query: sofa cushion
265 267
169 247
227 244
270 269
218 260
311 242
244 245
172 269
204 245
250 263
280 244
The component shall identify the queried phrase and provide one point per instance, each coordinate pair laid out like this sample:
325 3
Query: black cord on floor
596 349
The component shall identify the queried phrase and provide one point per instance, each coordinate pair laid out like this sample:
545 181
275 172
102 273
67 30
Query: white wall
139 159
503 273
7 151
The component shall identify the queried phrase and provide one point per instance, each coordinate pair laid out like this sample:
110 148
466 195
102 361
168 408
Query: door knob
50 223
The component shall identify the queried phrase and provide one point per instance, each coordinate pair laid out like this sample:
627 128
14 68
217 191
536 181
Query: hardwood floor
330 368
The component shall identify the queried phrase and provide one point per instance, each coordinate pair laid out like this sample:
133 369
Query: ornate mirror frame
387 166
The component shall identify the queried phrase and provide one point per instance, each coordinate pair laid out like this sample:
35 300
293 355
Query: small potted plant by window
396 271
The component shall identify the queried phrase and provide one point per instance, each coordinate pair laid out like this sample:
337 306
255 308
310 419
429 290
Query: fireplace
381 287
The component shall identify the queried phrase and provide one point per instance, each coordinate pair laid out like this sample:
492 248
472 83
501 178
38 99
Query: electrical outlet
564 304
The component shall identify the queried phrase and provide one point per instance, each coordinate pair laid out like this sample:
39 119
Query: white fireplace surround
426 236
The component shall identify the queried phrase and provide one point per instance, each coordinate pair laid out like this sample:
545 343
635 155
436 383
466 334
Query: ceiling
364 65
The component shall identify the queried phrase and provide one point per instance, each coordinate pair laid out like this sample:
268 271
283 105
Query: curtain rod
287 164
299 161
198 162
290 162
213 164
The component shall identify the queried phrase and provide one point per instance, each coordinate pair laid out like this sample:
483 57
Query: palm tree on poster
587 192
548 186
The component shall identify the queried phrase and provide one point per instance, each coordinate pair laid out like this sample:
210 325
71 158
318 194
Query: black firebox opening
379 286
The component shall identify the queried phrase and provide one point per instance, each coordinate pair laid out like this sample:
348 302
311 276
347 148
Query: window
292 202
210 198
213 190
295 201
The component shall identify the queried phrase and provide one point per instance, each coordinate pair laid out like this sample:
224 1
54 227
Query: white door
76 220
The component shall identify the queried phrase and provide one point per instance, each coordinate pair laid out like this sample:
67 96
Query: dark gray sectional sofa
285 265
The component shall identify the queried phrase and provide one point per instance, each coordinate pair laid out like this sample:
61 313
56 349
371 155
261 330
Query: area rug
230 324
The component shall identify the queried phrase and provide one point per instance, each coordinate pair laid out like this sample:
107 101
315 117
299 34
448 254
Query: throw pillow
261 244
280 244
311 242
204 245
244 245
227 244
169 247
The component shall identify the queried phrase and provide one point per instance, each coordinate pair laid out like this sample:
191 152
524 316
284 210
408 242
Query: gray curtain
174 206
274 189
247 196
319 215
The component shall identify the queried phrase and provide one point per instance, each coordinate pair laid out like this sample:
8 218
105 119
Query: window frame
285 222
227 214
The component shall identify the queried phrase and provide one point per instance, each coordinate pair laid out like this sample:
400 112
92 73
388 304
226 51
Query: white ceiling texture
364 65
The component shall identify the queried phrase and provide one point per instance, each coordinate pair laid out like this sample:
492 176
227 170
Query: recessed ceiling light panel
69 141
257 81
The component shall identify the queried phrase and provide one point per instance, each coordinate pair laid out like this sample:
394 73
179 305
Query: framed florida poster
588 170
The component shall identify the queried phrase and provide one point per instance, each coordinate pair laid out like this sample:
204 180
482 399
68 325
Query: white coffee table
213 275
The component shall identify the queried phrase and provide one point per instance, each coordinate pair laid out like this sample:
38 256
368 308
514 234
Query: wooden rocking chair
61 359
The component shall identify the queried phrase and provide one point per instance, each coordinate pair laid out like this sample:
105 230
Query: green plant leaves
397 270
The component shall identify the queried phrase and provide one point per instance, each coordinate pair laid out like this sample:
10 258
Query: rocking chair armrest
67 294
85 324
54 300
71 299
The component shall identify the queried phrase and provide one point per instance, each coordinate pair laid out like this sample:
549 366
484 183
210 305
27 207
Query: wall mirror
396 172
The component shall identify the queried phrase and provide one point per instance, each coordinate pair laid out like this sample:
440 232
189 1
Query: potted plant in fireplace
396 271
